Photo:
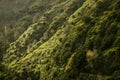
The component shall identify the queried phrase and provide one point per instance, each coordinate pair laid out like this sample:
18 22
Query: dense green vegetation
60 40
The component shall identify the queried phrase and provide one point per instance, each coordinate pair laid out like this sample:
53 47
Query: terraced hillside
70 40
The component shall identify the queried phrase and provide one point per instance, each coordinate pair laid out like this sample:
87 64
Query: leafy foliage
62 40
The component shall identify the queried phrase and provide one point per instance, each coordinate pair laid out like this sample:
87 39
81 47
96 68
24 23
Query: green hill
65 40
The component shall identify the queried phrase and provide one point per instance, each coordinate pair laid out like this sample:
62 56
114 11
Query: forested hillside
60 39
9 27
16 16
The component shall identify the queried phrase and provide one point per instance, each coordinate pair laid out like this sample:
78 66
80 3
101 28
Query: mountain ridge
74 40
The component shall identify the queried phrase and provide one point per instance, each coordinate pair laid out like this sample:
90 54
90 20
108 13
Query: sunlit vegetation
59 40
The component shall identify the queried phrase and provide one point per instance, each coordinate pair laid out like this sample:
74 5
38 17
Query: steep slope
9 10
17 16
73 40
